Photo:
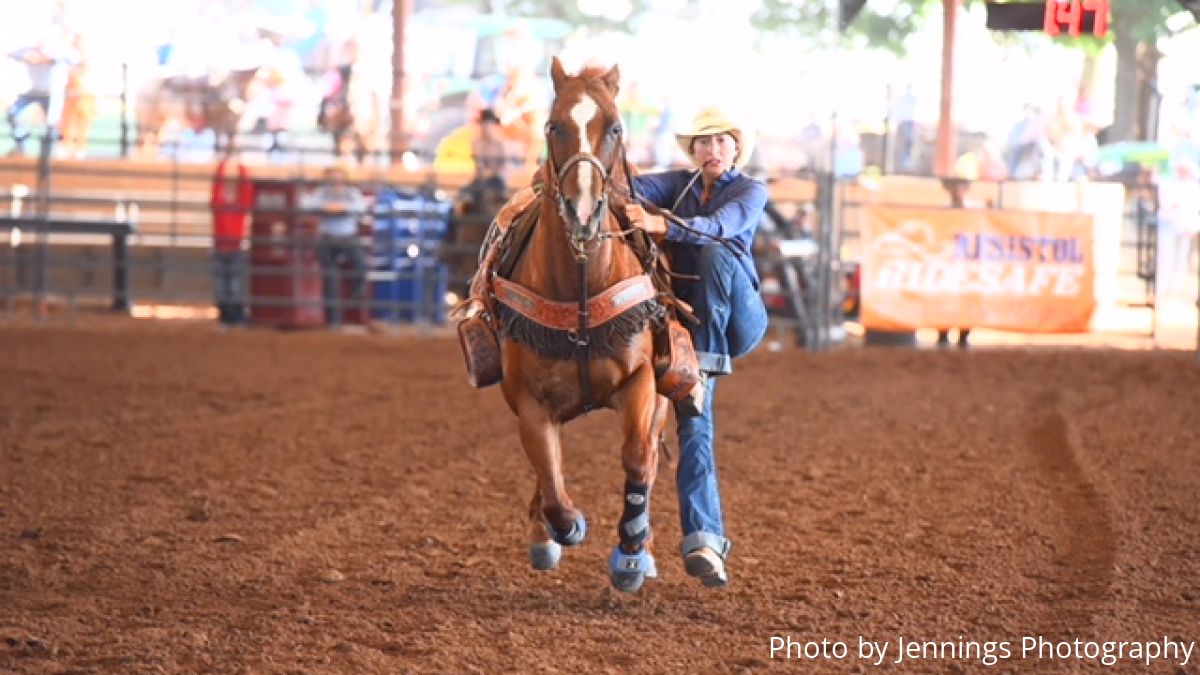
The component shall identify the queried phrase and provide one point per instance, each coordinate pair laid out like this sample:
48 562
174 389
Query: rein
580 244
735 247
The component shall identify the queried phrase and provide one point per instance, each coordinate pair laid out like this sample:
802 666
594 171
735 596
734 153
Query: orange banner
975 268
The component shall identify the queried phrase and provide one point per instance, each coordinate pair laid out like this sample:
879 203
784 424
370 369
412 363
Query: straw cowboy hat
712 120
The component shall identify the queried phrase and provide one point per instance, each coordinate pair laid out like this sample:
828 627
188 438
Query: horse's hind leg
643 414
540 438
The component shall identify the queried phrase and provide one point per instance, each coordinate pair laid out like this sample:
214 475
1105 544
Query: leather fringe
608 339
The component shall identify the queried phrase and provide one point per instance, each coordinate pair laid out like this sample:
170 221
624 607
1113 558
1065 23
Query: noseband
583 238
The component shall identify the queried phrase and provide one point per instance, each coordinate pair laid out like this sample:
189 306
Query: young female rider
720 207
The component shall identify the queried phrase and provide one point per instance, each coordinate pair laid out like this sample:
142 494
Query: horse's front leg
643 413
554 520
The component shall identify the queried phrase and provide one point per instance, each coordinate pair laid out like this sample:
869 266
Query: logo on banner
915 259
1013 270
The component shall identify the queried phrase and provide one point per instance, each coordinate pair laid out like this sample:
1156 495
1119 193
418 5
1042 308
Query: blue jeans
733 321
228 287
19 132
330 253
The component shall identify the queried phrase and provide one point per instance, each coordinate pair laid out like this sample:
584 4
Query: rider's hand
655 226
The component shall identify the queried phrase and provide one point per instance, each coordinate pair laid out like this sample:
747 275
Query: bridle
581 238
583 242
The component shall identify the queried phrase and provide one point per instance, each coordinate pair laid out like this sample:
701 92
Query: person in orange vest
79 103
232 201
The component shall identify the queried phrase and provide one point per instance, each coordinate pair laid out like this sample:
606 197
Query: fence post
826 240
121 286
124 109
43 216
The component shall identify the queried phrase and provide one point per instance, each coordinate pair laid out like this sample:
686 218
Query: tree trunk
1148 100
397 138
947 139
1124 126
1089 80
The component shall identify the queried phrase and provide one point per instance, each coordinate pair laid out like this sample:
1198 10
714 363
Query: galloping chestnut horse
564 356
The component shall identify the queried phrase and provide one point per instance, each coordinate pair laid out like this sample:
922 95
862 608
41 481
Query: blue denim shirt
733 212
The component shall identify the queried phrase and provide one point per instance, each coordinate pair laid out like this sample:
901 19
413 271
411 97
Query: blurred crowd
312 70
275 75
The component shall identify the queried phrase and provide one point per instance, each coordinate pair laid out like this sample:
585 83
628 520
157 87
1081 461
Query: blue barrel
410 280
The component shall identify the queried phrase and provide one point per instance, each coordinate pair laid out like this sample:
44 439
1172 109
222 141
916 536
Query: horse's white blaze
581 114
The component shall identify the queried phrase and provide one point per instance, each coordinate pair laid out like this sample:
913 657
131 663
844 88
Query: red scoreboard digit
1071 14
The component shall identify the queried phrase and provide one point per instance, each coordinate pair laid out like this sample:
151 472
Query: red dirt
173 499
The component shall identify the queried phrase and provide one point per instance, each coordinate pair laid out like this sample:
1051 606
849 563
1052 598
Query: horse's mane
593 76
593 72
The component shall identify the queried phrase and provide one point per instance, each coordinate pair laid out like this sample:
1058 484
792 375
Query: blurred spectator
47 62
335 85
664 137
352 108
79 103
1178 223
519 109
904 112
491 154
985 164
1028 147
339 206
991 162
232 201
848 157
1074 149
813 144
956 188
279 77
639 117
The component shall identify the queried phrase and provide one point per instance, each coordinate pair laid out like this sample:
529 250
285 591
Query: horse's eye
551 128
615 132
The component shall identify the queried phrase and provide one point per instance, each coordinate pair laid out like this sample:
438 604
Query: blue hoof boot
545 556
629 570
573 536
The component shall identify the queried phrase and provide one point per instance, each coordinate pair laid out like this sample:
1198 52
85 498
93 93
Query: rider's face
714 154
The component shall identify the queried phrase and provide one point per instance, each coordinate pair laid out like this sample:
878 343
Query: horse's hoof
545 556
628 571
573 536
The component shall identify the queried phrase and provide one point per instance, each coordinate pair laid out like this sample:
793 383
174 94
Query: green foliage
812 20
1146 20
568 10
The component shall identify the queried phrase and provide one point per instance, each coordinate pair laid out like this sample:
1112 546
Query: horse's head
585 146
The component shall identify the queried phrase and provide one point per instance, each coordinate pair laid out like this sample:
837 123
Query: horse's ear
557 74
612 80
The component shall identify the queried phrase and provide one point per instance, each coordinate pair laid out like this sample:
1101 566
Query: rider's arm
739 213
660 189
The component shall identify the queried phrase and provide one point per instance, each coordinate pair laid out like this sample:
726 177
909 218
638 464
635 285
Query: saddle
675 364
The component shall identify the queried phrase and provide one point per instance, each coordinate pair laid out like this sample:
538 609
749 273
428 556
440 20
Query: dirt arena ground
174 499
